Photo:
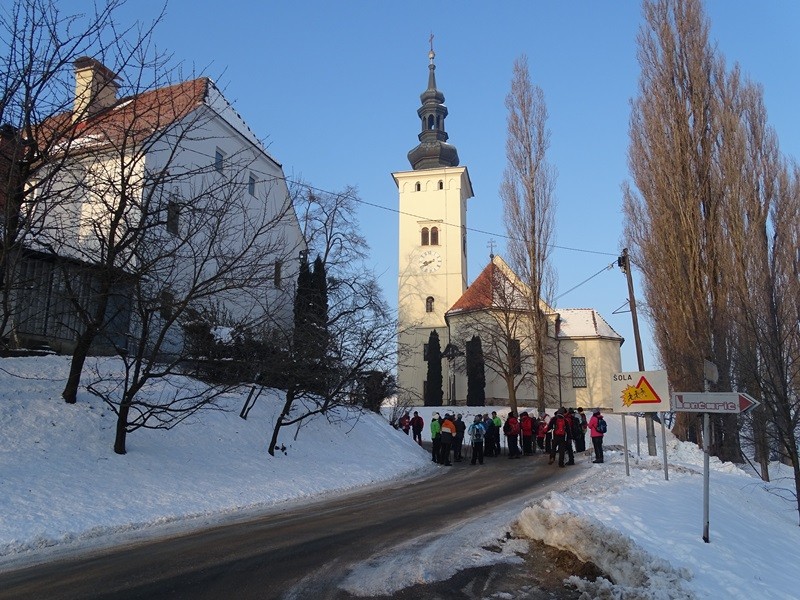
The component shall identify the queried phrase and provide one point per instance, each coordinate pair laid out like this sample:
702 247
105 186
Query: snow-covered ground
62 487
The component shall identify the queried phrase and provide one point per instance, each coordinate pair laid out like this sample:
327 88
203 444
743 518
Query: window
219 160
166 301
429 304
173 215
277 274
251 185
578 371
417 187
441 184
174 212
424 351
434 236
514 357
424 237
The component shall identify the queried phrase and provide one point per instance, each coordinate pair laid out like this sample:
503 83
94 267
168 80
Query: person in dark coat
488 440
417 424
580 438
559 427
458 441
405 423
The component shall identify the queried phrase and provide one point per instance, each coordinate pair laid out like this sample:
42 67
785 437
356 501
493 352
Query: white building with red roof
167 169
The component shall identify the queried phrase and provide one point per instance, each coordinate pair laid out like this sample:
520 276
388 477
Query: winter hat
478 418
435 416
596 411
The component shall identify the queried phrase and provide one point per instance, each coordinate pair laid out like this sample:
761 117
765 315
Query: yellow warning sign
643 393
640 391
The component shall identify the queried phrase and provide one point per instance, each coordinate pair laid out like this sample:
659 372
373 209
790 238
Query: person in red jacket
417 425
511 429
404 423
526 425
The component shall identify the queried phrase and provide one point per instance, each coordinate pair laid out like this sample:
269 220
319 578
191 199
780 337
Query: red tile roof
130 119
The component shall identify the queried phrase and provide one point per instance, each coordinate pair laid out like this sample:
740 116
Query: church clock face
430 261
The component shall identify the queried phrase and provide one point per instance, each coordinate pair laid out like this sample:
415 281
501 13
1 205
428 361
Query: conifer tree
433 392
476 377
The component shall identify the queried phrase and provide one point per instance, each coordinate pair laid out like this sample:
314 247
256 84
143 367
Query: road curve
303 548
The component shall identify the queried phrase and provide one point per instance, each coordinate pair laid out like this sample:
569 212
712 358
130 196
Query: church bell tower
432 271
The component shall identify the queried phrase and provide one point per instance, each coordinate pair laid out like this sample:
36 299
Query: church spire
433 150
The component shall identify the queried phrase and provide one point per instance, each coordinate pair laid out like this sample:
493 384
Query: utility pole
624 263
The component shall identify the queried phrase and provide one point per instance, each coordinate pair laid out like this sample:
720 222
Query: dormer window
425 239
434 236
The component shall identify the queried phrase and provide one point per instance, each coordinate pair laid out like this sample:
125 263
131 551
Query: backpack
601 425
477 432
560 428
507 428
577 430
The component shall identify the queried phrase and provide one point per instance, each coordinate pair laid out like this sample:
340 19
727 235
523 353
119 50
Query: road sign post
710 402
640 391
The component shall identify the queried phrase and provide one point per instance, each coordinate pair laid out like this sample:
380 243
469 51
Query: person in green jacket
436 437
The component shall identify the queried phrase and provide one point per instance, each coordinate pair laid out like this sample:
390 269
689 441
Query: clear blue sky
333 88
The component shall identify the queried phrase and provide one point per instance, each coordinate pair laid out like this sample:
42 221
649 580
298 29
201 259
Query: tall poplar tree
527 192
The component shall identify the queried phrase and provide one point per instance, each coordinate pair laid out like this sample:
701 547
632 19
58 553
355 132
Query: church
582 350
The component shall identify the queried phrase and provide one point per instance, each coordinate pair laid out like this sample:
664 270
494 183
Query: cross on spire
491 244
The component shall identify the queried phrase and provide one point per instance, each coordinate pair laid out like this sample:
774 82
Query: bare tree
503 328
38 46
358 335
529 205
674 223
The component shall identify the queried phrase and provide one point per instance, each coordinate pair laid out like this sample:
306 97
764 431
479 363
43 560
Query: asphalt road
301 552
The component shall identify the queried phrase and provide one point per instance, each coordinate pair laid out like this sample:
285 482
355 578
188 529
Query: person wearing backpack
477 433
597 428
511 429
526 427
560 430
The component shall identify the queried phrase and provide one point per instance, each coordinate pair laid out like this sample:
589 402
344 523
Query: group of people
559 436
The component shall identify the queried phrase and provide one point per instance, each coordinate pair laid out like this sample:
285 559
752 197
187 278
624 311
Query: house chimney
95 88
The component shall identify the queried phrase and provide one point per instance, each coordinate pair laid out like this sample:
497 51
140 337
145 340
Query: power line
415 216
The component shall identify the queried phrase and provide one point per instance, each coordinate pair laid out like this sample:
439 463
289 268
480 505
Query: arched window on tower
425 240
434 236
441 184
429 304
431 122
417 187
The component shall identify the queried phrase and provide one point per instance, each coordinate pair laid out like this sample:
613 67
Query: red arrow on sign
746 403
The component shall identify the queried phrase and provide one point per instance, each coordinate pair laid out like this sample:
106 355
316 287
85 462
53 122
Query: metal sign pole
664 446
706 433
625 444
638 447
